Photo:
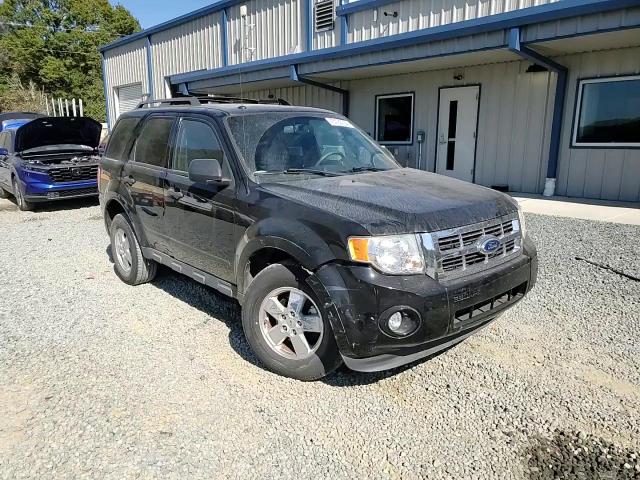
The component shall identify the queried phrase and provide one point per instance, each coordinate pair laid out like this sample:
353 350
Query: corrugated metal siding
577 25
610 174
514 119
306 96
124 66
188 47
418 14
272 28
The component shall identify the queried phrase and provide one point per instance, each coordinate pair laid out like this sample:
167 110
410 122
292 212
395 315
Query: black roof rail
170 101
197 101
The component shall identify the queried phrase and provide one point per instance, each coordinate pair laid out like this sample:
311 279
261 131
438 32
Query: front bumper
355 296
46 192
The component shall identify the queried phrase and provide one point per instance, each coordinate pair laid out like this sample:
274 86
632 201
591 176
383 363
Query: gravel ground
102 380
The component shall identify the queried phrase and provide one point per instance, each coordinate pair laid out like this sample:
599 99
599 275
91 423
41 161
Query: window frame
412 95
173 147
140 128
578 108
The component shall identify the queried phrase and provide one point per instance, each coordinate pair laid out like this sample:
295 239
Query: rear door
144 176
200 217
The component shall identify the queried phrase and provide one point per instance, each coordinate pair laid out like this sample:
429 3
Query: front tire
130 265
286 325
23 204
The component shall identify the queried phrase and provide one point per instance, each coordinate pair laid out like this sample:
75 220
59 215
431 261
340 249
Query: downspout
558 110
345 93
150 68
106 90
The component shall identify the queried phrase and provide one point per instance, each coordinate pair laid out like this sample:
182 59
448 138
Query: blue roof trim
503 21
215 7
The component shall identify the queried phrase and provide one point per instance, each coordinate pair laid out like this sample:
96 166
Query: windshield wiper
365 169
296 171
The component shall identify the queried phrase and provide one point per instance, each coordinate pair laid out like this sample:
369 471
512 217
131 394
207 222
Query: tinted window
196 140
274 142
394 118
120 140
609 112
151 146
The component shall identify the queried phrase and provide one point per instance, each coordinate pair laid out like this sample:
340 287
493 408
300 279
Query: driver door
200 216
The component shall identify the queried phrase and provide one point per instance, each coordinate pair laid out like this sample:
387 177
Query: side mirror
4 152
208 172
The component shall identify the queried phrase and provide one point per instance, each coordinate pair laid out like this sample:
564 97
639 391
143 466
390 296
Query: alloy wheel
290 323
123 250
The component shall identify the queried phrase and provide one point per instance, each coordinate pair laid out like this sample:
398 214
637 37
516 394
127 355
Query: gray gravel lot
102 380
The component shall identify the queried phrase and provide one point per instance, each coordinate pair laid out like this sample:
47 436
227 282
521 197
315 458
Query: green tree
54 45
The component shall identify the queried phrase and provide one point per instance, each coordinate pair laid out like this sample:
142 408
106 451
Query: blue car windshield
304 143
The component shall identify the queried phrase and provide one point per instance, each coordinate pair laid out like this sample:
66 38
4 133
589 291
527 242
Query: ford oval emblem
489 244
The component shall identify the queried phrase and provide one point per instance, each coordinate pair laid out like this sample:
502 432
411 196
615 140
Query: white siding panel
609 174
419 14
125 65
306 96
192 46
272 28
513 127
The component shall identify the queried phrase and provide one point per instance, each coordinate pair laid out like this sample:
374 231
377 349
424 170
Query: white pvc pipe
75 114
81 108
67 106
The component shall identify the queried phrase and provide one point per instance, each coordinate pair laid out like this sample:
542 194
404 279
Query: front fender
295 239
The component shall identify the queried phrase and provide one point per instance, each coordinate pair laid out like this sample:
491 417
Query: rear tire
286 325
129 263
23 204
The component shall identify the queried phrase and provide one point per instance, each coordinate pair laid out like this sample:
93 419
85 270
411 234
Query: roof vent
324 15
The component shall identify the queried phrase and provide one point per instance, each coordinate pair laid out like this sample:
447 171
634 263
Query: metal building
529 95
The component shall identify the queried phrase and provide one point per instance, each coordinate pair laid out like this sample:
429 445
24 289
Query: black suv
335 252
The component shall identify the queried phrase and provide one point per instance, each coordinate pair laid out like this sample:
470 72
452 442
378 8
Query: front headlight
393 254
523 225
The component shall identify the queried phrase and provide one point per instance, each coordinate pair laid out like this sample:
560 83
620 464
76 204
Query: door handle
176 194
129 180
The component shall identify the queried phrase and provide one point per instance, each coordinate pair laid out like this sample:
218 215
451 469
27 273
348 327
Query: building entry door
457 130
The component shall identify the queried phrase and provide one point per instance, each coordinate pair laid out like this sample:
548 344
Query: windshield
273 145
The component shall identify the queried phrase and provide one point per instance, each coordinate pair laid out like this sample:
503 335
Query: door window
196 140
117 148
151 146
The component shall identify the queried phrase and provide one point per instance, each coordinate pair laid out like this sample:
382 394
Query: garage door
129 97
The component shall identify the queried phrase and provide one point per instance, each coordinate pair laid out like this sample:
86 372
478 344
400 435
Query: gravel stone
102 380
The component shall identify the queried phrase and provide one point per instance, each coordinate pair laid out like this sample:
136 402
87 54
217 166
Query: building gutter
106 90
561 72
149 54
345 93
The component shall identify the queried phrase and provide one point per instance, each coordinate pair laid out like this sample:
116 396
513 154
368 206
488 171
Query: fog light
400 321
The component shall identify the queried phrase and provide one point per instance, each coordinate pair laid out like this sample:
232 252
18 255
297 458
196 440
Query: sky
153 12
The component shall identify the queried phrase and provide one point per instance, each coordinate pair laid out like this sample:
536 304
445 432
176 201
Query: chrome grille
458 253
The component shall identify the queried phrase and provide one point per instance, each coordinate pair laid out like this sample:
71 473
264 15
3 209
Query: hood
399 201
48 131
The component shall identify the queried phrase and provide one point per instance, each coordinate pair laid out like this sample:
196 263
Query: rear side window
152 143
196 140
120 140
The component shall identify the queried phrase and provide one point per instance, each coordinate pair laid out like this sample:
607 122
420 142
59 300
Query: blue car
49 158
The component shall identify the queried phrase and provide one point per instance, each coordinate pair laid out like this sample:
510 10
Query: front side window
608 113
294 143
120 139
152 143
394 119
196 140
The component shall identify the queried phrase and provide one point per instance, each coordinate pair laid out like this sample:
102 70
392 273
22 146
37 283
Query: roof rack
196 101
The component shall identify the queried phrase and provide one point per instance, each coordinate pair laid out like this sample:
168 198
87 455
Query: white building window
608 113
394 119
